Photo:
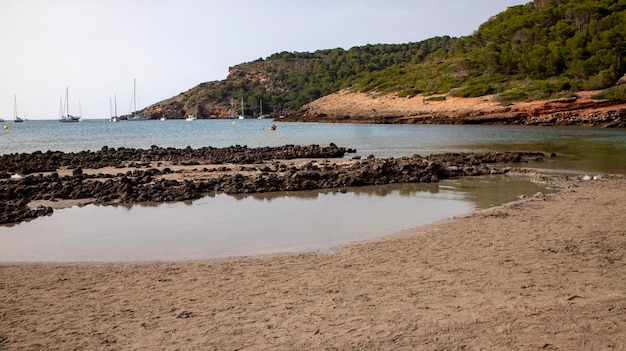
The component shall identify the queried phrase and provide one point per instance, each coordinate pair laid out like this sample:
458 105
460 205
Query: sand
542 273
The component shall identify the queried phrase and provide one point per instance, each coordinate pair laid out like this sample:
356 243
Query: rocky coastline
32 185
355 107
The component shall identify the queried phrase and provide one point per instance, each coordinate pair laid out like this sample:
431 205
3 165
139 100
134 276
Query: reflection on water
385 190
486 192
577 150
222 225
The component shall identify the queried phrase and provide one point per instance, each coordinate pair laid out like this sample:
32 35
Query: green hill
546 48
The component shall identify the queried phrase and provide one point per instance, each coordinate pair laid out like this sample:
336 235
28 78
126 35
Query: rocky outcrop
52 161
213 100
180 108
352 107
113 176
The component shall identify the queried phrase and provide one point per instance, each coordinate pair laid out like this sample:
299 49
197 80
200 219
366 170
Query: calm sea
221 225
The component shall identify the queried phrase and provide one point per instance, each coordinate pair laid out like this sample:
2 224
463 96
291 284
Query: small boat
134 116
242 116
273 127
114 117
232 110
191 118
16 118
65 115
261 109
137 118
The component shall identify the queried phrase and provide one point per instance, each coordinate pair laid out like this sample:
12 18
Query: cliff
354 107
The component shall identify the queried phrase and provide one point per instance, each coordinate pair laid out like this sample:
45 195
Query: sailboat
114 117
66 117
232 110
241 116
16 118
261 109
134 116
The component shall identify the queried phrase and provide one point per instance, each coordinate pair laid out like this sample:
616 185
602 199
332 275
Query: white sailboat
134 116
232 110
241 116
65 115
114 117
16 118
261 109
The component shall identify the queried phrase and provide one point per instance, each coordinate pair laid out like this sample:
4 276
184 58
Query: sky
96 49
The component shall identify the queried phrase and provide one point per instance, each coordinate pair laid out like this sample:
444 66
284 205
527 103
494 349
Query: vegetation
543 49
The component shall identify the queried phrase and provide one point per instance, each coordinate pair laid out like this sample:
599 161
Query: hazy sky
97 47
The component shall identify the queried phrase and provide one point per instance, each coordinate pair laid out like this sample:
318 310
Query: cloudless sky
97 47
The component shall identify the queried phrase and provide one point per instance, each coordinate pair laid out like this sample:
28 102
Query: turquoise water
221 225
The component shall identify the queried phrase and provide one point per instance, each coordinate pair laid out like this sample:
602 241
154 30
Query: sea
222 226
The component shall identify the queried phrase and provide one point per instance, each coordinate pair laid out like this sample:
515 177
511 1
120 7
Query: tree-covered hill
545 48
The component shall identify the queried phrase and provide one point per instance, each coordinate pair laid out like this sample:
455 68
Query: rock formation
31 185
346 107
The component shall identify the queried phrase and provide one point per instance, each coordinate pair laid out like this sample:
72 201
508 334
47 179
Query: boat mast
67 102
134 96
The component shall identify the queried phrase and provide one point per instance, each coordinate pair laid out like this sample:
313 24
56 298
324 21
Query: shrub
476 90
512 95
436 98
613 93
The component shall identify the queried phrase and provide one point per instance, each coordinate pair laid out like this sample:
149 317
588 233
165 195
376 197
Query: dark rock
144 183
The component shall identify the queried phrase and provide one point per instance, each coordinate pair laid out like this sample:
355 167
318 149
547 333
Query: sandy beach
544 273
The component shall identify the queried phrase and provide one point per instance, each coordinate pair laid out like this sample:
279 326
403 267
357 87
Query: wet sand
542 273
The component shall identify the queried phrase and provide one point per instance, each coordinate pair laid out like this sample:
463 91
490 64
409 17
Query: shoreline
346 106
180 231
539 273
